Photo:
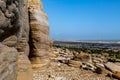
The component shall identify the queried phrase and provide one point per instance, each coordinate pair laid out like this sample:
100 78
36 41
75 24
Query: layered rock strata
10 35
39 31
8 58
20 38
24 68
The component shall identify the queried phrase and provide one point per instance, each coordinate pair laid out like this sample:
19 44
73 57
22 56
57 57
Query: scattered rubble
96 63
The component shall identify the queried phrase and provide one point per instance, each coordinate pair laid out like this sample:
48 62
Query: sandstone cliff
24 31
39 31
10 35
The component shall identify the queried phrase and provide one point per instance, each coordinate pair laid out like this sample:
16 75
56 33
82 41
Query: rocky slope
72 65
24 31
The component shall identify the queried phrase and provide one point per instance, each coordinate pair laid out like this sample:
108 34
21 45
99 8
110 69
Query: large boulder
112 67
115 69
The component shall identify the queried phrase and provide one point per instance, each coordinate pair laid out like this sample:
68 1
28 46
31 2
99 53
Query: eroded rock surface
8 62
19 36
10 34
39 31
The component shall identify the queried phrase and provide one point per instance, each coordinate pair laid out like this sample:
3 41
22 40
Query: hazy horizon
83 19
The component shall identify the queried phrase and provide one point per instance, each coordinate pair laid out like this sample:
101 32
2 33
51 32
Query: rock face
21 38
8 58
10 35
10 22
39 31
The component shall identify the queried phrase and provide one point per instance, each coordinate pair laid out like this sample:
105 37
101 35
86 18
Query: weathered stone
16 3
100 65
8 14
12 8
10 34
40 62
15 38
9 54
24 65
23 45
3 6
76 64
88 66
83 57
8 59
2 19
39 40
98 60
112 67
10 41
116 75
9 2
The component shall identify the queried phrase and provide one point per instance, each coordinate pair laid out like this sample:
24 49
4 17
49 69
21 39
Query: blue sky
83 19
